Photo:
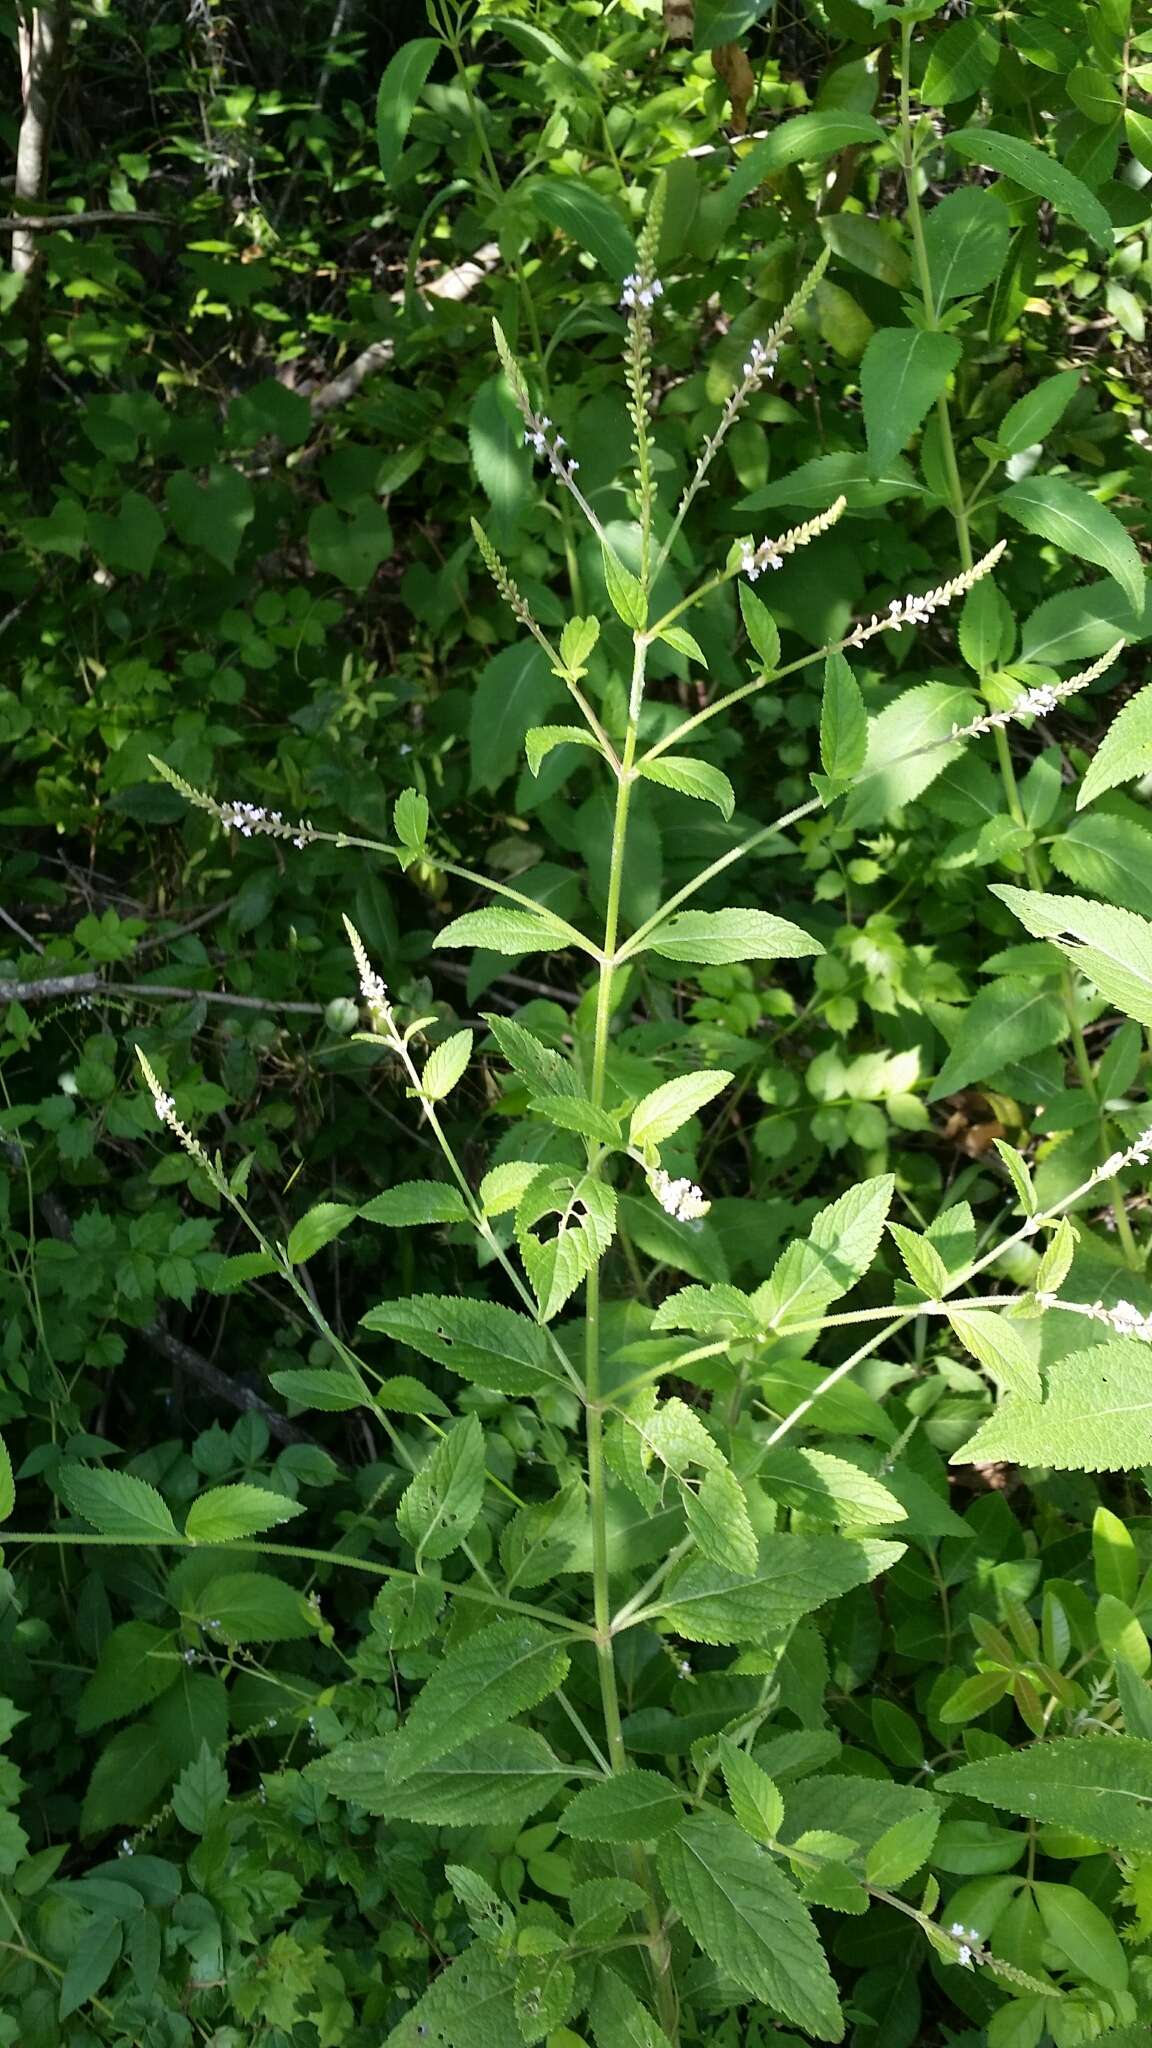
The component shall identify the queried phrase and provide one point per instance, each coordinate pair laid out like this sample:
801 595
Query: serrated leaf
908 747
663 1111
502 1670
843 721
253 1607
691 778
481 1340
922 1261
500 1777
226 1513
438 1508
1124 753
577 640
631 1806
445 1065
1109 856
1097 1416
675 636
901 1850
200 1792
1080 526
813 1273
1097 1785
717 1518
830 1488
117 1504
505 931
757 1803
503 1187
576 1113
795 1576
966 237
744 1914
1006 1021
468 2005
417 1201
1112 948
903 372
318 1227
625 591
985 628
760 627
334 1392
617 2018
137 1663
1038 173
1020 1176
542 738
410 818
714 938
1033 417
998 1345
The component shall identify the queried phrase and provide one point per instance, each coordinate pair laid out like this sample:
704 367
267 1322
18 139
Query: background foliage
252 406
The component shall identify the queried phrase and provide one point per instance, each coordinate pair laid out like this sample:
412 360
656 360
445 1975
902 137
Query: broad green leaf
410 818
760 627
350 545
585 217
137 1663
908 747
542 738
868 245
617 2018
211 513
903 373
481 1340
815 1271
416 1201
843 721
625 591
499 1778
399 90
657 1115
253 1607
795 1576
1112 948
129 1776
1038 173
713 938
512 693
91 1960
1083 1934
1097 1416
502 463
998 1345
497 1673
986 629
200 1792
1078 524
316 1228
226 1513
468 2005
1097 1785
692 778
631 1806
805 139
1078 624
966 235
827 1487
438 1508
901 1850
756 1801
334 1392
1033 417
505 931
116 1504
746 1917
576 1113
1124 753
1005 1022
128 538
815 484
544 1071
445 1065
1111 856
718 1520
961 61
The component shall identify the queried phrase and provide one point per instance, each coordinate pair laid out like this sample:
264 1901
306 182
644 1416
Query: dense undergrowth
580 1440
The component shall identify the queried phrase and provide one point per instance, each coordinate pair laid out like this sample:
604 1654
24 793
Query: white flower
636 296
165 1107
679 1198
761 362
964 1956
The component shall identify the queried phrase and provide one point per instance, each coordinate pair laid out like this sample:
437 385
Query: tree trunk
43 40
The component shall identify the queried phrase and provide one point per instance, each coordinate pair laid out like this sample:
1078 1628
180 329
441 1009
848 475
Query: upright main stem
959 508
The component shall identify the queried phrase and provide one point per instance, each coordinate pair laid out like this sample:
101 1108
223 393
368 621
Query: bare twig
19 930
455 284
93 984
38 222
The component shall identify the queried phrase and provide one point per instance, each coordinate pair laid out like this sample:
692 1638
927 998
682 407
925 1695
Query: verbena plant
677 1558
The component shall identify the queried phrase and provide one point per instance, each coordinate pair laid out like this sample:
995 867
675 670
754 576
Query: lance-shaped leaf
841 1245
903 373
692 778
481 1340
1094 1785
1081 526
438 1508
715 938
482 1683
657 1115
1112 948
1038 173
796 1575
1097 1416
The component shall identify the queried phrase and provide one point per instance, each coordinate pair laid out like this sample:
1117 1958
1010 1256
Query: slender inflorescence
373 988
1041 699
917 608
1123 1316
770 554
638 297
509 590
165 1109
237 815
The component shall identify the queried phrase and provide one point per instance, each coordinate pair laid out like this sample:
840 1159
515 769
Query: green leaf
7 1483
350 545
502 463
974 1696
986 629
130 1774
137 1663
211 513
334 1392
1096 1785
756 1802
960 62
253 1607
468 2005
683 642
1111 856
1115 1558
1112 948
1033 417
718 1520
843 721
795 1576
130 537
582 214
714 938
498 1778
410 818
505 931
438 1509
482 1683
399 90
1083 1934
1079 525
1006 1021
805 139
417 1201
692 778
200 1792
657 1115
1038 173
445 1065
1124 753
625 591
631 1806
828 1488
901 1850
998 1345
542 738
576 1113
481 1340
513 691
966 236
117 1504
317 1227
744 1914
814 1272
617 2018
1097 1416
908 747
91 1959
226 1513
577 641
903 373
760 627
